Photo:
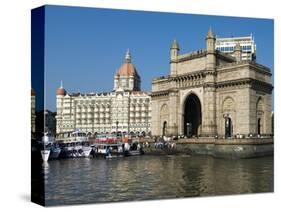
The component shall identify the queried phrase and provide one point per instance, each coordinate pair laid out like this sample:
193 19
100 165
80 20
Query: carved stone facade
209 93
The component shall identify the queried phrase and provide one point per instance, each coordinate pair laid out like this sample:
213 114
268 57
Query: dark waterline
87 180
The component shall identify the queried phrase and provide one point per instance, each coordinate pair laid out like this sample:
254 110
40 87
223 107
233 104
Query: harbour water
88 180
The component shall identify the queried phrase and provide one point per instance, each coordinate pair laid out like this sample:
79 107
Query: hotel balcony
143 114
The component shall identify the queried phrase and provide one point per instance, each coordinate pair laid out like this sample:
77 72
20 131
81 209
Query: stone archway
228 127
228 117
164 117
164 128
192 116
260 116
259 126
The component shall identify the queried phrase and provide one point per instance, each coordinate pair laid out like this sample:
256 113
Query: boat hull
66 153
86 151
133 152
55 153
45 153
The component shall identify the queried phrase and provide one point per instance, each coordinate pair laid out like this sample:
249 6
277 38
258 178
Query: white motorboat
77 149
86 149
66 150
45 153
50 144
45 147
108 149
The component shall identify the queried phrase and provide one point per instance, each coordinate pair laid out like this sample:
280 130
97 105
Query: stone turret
210 47
209 128
238 52
174 52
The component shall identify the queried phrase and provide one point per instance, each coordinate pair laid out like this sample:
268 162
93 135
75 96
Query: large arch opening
228 117
164 128
259 126
260 116
228 127
164 117
192 116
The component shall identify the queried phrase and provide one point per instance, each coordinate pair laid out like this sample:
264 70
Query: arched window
164 116
228 110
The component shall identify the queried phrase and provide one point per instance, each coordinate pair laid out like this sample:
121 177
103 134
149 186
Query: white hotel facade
126 109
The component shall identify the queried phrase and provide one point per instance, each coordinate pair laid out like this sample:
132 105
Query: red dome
127 69
61 91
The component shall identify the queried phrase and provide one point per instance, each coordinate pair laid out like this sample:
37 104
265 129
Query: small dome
175 45
61 90
33 93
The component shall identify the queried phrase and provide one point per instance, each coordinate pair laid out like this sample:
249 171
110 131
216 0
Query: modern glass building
248 46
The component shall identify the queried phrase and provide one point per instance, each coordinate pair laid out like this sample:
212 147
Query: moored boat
74 144
45 153
55 151
45 146
86 149
107 146
133 148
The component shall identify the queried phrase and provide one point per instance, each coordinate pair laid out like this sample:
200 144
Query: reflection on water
87 180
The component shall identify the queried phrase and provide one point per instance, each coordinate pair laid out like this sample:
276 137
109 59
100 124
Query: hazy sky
85 46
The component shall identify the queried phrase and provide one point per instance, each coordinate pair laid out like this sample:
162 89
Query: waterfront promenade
220 148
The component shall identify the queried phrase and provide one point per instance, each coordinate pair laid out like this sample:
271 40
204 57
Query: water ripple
85 180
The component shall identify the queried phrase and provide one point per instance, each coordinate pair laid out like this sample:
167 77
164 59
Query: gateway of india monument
209 93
